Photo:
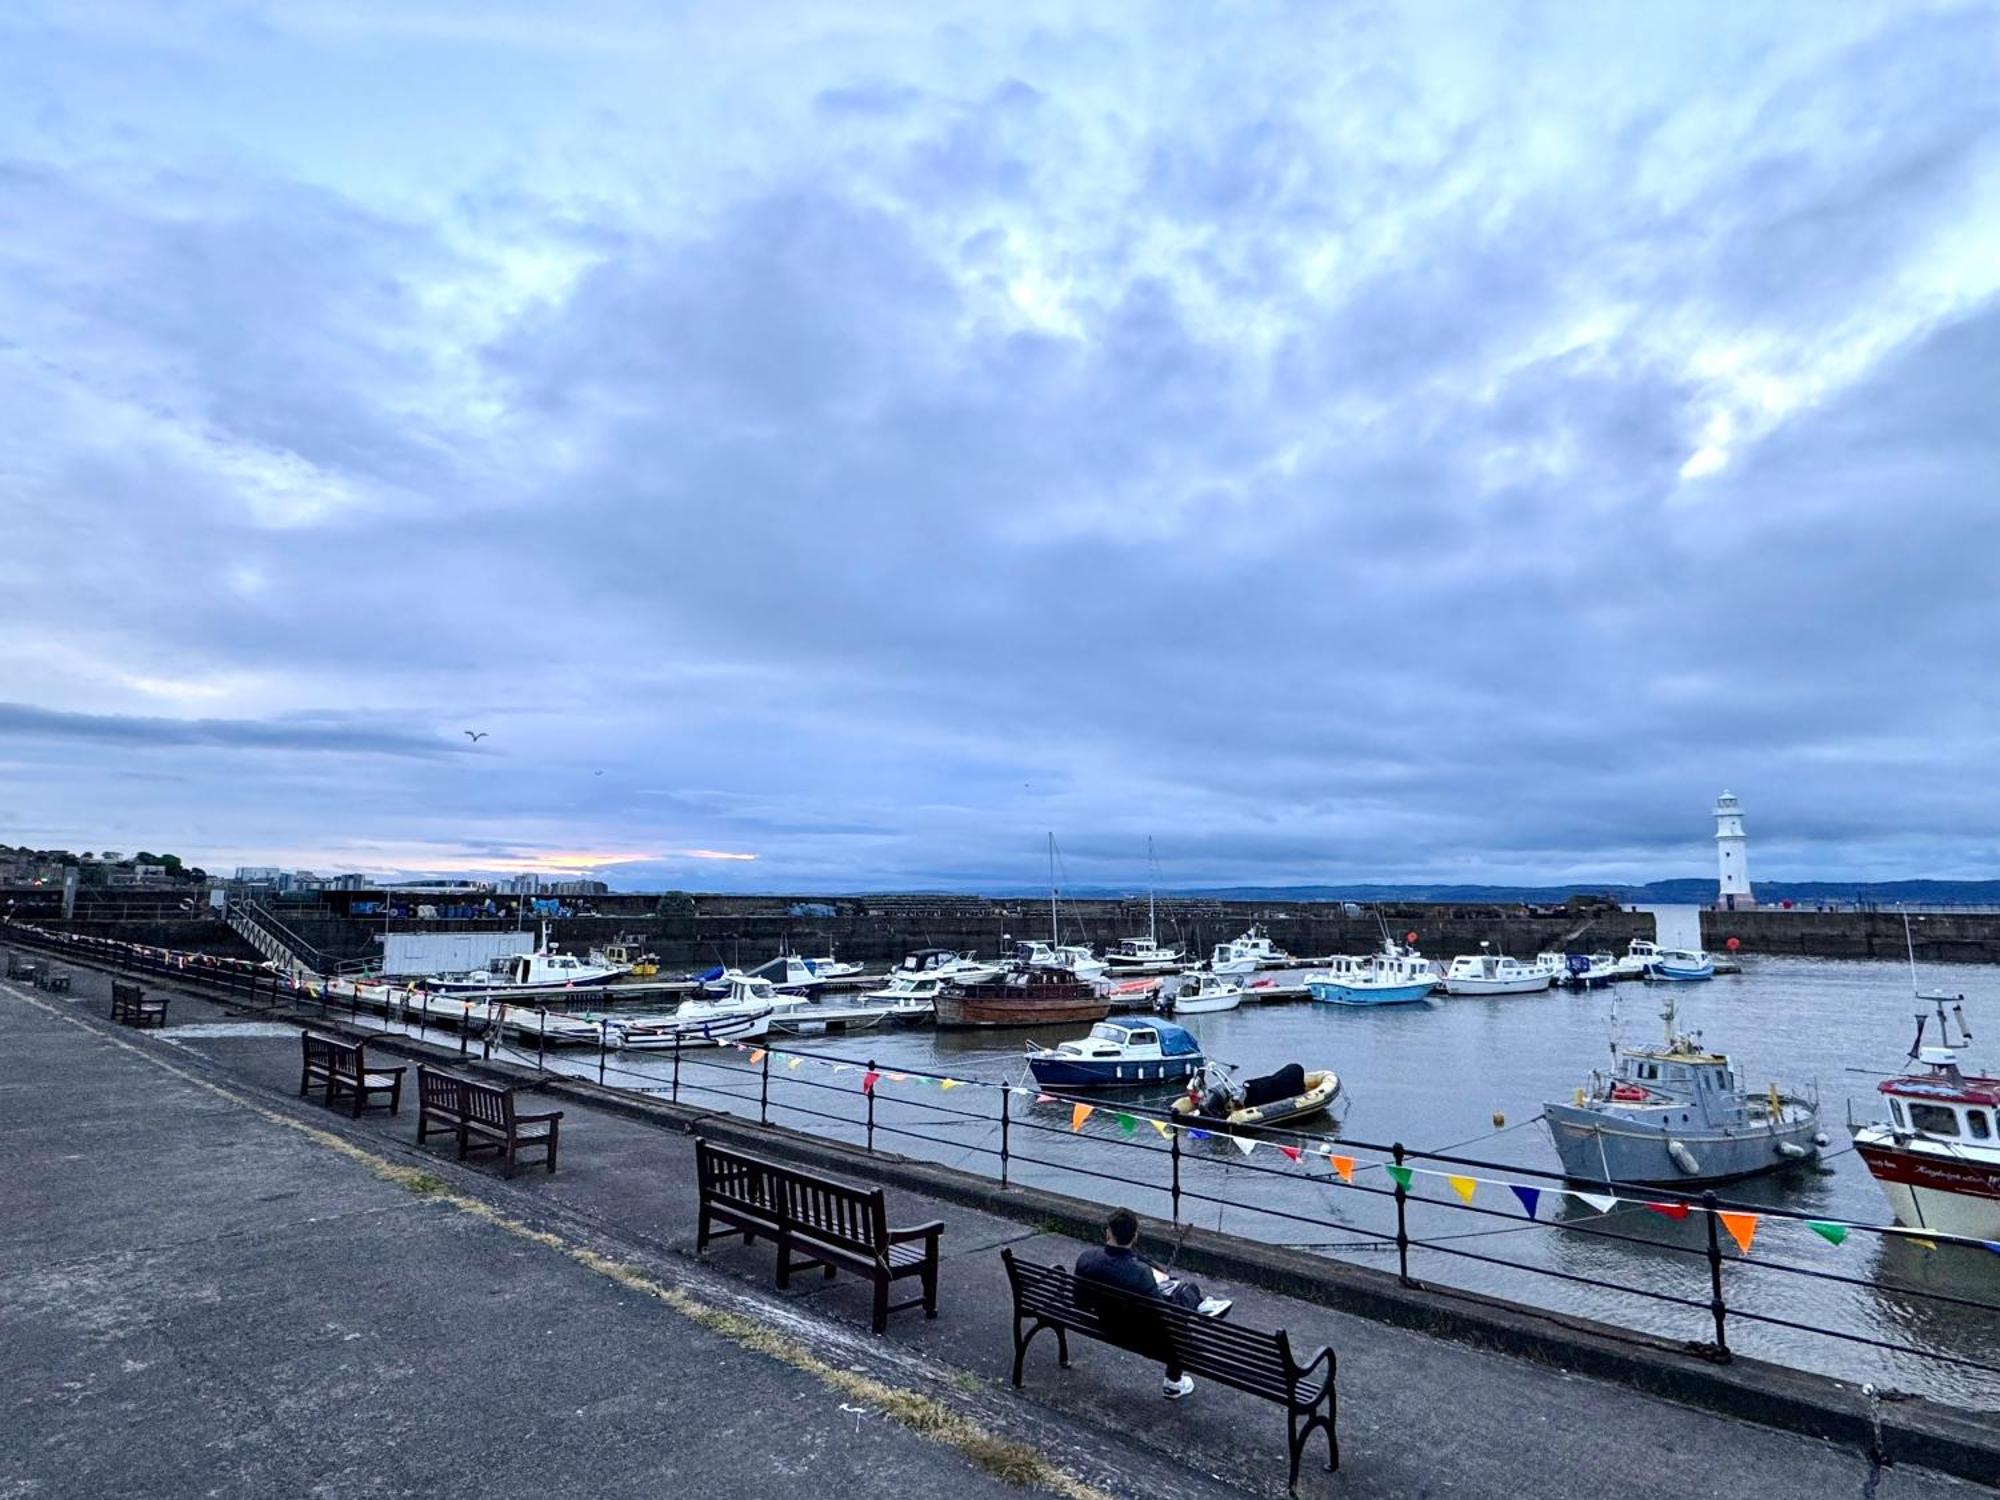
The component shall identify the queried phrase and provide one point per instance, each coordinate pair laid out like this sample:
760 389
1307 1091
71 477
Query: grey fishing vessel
1677 1115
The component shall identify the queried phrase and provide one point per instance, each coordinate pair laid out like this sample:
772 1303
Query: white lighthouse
1732 855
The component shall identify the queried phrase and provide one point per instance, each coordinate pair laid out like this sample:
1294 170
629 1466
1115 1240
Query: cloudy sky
1340 442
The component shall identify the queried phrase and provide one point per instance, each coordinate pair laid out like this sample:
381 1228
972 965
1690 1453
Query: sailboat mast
1152 896
1055 921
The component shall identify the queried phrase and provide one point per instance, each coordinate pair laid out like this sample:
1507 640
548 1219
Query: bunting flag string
757 1056
1127 1123
1244 1144
1291 1151
1602 1202
1529 1197
1344 1165
1161 1127
1674 1211
793 1063
1078 1114
947 1084
869 1080
1833 1234
1401 1175
1463 1186
1742 1228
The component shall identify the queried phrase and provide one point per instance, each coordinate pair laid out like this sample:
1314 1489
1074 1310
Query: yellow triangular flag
1463 1186
793 1062
1344 1165
1160 1126
1742 1229
1079 1114
1920 1240
948 1083
757 1056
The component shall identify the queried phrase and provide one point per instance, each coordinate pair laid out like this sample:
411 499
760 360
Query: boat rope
1489 1135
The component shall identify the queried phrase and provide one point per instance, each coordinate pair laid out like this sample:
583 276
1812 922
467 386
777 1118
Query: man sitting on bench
1117 1264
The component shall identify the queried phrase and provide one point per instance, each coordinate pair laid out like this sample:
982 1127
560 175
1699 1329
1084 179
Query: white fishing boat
1247 954
909 997
946 964
829 968
1200 993
788 974
701 1022
1590 971
526 974
1639 958
1937 1154
1485 973
1071 958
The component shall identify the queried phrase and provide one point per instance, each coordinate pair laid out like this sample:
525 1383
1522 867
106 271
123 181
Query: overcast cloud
1341 442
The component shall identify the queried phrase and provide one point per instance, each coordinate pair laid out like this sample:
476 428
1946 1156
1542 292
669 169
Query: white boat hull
1528 984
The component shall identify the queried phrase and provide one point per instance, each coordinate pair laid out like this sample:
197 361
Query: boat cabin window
1896 1113
1934 1119
1977 1125
1650 1071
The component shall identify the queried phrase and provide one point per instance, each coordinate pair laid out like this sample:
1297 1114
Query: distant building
130 875
1732 856
347 883
521 885
575 888
257 874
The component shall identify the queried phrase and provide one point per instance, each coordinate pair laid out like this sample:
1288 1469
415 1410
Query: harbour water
1433 1078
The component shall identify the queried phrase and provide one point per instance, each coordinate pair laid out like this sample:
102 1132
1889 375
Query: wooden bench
341 1068
20 966
1245 1359
131 1006
815 1221
482 1117
55 981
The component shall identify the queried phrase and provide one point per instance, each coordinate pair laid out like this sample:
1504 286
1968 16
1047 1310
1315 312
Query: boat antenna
1937 999
1152 895
1667 1014
1055 917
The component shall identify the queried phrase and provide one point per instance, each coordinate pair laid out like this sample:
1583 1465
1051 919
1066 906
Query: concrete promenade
210 1286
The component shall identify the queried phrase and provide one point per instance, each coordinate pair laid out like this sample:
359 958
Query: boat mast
1055 921
1152 896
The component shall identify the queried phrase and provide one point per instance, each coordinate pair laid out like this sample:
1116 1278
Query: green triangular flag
1127 1124
1401 1174
1833 1234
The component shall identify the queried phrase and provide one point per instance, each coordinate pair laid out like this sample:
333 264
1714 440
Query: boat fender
1499 1120
1683 1158
1793 1150
1821 1140
1579 1098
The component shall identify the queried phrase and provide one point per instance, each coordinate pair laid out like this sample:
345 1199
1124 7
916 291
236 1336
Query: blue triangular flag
1993 1245
1529 1197
1197 1135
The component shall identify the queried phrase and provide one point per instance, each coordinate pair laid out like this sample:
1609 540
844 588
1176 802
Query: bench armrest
928 1231
541 1119
1324 1357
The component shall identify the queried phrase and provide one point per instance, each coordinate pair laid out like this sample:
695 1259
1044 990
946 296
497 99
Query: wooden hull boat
1025 997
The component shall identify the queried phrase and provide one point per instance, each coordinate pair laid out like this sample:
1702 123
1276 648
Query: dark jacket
1119 1266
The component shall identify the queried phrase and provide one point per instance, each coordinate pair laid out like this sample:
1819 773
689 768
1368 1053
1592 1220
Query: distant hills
1693 891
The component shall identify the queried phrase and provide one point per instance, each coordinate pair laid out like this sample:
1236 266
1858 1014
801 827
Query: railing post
677 1068
541 1039
492 1025
1715 1301
764 1093
1176 1153
603 1045
465 1028
869 1094
1402 1225
1006 1096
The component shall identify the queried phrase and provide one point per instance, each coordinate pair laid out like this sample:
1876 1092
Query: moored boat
1485 973
1248 953
1200 993
1121 1052
1397 975
1589 971
1277 1098
1937 1155
1676 1114
1022 997
1681 964
541 972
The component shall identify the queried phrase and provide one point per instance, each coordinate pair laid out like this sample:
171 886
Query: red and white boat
1937 1155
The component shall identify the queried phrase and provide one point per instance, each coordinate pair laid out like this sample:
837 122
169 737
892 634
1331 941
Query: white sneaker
1173 1390
1215 1307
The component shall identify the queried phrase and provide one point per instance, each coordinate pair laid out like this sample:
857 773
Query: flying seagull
475 735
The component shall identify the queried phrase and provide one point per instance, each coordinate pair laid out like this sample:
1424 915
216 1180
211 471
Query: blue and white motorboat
1121 1052
1682 964
1398 975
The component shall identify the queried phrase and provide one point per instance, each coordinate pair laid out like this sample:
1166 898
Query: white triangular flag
1244 1144
1602 1202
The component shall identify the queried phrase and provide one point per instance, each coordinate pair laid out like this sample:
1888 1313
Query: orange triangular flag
1344 1165
1463 1186
1079 1114
757 1056
1742 1228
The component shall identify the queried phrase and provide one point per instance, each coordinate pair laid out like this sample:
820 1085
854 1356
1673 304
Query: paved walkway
208 1285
